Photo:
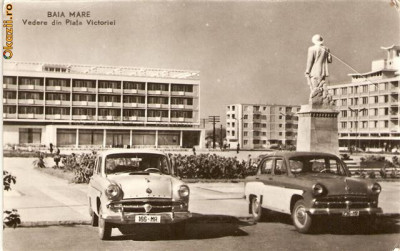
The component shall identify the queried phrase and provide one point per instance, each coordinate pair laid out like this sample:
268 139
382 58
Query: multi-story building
256 126
80 105
369 106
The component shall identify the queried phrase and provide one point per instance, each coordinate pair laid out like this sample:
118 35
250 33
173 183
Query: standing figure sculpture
317 70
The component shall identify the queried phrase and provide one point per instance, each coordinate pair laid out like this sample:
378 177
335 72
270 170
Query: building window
134 86
31 81
233 108
10 80
280 125
365 88
57 82
233 133
245 142
246 116
365 100
157 87
355 101
109 85
30 136
183 114
280 133
245 125
83 83
181 88
343 124
233 124
344 90
245 133
344 114
66 137
264 125
344 101
386 123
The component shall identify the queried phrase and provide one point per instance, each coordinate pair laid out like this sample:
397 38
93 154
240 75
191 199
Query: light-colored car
133 187
310 184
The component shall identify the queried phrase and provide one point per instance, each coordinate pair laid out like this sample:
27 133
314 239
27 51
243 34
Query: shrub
372 175
8 179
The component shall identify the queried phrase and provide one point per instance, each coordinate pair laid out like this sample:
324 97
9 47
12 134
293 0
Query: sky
246 51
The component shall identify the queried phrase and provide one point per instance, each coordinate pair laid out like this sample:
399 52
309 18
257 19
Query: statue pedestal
318 129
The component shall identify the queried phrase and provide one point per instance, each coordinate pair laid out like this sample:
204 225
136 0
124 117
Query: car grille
349 202
139 206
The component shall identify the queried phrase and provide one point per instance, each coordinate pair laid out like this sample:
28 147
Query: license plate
147 218
351 213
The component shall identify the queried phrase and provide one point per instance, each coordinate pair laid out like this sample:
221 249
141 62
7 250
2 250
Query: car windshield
136 163
316 164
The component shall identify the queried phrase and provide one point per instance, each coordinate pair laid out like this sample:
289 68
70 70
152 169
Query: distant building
80 105
369 106
258 126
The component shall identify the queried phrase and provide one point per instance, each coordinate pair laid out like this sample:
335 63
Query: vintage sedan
135 187
310 184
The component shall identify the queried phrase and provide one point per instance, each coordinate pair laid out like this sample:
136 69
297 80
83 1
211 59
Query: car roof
287 154
131 150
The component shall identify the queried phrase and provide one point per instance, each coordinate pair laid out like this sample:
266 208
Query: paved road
277 234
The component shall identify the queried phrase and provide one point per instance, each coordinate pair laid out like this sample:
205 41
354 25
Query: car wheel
256 209
104 227
301 219
178 229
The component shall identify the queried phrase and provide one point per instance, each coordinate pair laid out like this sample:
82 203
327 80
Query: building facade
80 105
369 106
254 126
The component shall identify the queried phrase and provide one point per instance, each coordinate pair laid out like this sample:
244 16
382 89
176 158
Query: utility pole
213 120
220 137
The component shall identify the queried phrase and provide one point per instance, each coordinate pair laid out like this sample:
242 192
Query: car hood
338 185
151 185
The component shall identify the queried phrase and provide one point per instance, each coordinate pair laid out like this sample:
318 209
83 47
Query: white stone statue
317 70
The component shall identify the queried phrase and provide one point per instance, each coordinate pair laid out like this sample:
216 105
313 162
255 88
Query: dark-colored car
307 184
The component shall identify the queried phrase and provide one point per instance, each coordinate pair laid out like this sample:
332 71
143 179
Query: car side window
266 167
280 169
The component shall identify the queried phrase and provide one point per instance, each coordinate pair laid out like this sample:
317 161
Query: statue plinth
318 129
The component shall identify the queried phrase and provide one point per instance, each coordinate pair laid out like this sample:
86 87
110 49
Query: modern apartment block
260 126
80 105
369 106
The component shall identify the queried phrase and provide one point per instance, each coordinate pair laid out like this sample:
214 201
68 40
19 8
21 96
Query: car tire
104 227
178 229
302 220
94 219
256 209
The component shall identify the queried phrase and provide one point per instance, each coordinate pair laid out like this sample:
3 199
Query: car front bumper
129 218
341 211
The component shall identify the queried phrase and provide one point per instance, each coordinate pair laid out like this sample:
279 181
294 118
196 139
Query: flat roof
102 70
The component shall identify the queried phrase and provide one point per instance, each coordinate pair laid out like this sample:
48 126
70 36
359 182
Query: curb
53 223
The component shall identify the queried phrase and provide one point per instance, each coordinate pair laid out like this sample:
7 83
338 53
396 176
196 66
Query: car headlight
114 192
376 188
184 191
318 189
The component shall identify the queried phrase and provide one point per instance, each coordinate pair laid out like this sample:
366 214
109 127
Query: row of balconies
92 103
93 90
91 117
366 130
